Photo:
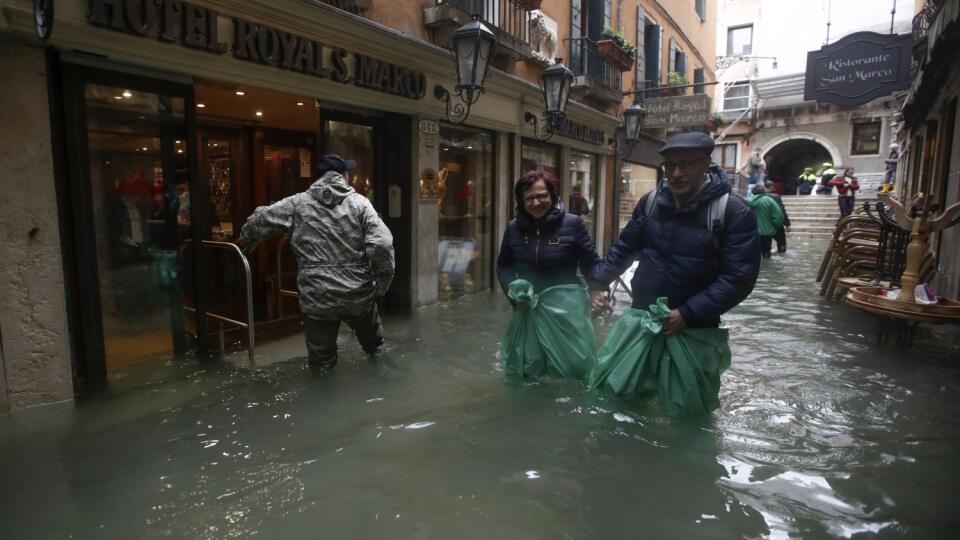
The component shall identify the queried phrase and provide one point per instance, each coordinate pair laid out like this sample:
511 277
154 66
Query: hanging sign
858 68
198 27
676 111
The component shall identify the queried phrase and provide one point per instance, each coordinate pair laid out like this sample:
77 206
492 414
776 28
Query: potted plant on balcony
617 49
674 79
715 121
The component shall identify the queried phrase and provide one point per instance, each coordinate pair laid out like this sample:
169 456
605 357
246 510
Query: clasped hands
599 302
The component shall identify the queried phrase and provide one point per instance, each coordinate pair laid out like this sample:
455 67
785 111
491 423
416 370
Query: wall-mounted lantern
555 84
473 47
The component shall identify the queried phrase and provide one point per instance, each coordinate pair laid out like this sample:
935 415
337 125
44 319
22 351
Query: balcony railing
921 23
586 60
510 16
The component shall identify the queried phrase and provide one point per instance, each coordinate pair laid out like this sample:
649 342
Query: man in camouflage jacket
345 257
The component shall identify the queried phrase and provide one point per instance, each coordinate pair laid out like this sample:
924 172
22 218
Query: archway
786 158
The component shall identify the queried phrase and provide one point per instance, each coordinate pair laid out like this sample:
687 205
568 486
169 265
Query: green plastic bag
554 335
682 370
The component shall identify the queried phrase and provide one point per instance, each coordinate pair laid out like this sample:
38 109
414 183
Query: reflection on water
821 434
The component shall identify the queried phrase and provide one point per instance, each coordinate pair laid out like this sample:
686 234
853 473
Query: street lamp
633 119
555 85
473 46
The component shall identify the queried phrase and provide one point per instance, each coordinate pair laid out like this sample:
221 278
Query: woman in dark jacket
544 244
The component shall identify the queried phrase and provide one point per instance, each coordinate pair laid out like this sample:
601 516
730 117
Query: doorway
130 190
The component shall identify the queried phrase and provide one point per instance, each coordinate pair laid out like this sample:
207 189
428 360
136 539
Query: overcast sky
790 28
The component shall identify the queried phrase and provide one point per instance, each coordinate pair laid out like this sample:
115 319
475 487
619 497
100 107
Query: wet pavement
822 433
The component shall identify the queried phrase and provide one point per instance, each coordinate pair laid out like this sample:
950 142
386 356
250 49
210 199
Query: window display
583 188
465 189
538 156
635 181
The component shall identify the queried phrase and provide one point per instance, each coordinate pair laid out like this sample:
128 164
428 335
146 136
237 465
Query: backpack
716 210
715 219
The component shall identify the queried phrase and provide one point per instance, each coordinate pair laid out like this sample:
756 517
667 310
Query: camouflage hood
330 189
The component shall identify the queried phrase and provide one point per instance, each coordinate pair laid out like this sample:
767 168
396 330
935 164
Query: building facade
151 130
760 103
929 137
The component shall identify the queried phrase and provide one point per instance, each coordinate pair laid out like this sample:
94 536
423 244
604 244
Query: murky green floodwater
821 434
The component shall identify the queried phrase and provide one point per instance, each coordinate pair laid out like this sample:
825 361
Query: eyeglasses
539 197
685 165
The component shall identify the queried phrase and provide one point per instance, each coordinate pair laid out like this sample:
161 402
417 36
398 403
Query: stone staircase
815 216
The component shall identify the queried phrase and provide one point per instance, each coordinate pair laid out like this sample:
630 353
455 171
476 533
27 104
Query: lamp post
473 47
633 119
555 85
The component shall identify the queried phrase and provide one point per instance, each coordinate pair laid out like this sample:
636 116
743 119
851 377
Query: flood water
822 433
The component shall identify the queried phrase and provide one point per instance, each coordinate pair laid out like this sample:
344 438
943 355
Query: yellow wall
678 18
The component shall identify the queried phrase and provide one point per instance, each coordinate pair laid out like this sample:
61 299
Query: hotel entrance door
131 194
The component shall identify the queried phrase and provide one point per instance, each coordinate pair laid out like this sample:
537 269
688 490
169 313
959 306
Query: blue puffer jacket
546 253
703 274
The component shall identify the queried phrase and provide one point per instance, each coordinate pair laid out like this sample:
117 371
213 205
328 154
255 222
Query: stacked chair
867 249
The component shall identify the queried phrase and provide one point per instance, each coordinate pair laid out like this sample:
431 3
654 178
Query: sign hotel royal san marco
198 27
676 111
858 68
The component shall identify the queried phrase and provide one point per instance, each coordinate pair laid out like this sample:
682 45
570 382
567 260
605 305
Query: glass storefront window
141 216
538 156
635 181
466 211
219 164
354 141
583 191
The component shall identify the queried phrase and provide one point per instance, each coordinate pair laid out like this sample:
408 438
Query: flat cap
689 141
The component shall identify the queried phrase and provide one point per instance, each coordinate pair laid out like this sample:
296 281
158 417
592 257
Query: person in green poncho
769 218
542 250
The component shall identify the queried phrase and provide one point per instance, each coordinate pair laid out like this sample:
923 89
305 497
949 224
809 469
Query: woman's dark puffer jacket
546 253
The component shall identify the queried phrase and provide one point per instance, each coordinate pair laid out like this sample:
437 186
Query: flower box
615 54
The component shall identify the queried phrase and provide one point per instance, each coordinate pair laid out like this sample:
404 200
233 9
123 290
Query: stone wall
33 321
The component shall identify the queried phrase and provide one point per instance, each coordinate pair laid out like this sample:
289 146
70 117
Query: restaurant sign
858 68
676 111
199 27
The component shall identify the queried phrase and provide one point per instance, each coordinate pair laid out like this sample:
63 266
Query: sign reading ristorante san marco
858 68
198 27
676 111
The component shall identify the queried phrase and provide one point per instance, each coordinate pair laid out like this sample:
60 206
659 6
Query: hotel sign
677 111
858 68
198 27
578 131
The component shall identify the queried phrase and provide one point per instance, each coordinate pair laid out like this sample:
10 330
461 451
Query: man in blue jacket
696 243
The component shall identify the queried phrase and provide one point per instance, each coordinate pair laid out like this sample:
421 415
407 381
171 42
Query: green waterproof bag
554 336
682 370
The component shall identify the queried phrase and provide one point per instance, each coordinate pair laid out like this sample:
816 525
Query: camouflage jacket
343 248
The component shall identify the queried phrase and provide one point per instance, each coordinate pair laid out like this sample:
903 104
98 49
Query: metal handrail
229 246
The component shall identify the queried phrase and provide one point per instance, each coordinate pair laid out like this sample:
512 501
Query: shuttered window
672 58
702 10
698 78
576 32
641 71
653 38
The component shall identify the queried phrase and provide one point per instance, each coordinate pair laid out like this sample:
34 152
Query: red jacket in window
840 182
